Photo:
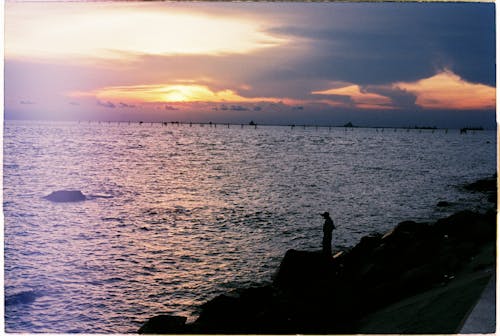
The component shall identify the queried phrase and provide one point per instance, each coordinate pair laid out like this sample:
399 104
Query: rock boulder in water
22 298
66 196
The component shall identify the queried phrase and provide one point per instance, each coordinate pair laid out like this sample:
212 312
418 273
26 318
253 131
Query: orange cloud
446 90
362 100
173 93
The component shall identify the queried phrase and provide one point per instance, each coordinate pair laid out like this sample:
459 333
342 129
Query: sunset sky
393 64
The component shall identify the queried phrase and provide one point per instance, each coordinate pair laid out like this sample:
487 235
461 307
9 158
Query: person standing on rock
328 227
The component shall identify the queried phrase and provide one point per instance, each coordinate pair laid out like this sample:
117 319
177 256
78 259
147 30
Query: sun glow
103 30
173 93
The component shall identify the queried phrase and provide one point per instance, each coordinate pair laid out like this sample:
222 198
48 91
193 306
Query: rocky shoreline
417 278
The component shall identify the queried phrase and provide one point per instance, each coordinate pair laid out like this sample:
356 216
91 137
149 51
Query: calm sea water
179 214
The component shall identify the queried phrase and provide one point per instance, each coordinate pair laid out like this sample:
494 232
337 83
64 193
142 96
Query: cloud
394 43
446 90
37 30
74 103
382 56
299 108
170 108
107 104
174 93
239 108
224 107
26 102
125 105
360 97
401 99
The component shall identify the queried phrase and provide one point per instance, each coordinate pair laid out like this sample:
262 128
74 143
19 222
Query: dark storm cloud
398 42
336 98
401 99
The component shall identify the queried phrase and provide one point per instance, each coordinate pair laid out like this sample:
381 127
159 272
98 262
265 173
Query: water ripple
180 216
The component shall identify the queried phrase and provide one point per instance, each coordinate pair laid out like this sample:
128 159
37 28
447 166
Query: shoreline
416 278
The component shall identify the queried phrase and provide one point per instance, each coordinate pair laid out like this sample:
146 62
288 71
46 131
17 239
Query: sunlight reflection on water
191 212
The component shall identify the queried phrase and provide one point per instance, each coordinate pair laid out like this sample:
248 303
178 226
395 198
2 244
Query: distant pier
293 127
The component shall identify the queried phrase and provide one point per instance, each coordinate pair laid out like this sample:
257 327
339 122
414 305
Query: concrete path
482 319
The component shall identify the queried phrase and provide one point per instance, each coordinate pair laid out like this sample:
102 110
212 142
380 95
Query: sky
372 64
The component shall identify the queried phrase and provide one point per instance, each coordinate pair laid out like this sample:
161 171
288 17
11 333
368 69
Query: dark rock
443 204
492 197
467 225
164 324
221 313
411 227
484 185
487 186
315 293
66 196
366 245
304 269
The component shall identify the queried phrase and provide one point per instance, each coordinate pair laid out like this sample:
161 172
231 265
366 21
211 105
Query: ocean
177 214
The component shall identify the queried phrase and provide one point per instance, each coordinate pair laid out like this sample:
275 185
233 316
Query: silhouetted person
327 234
